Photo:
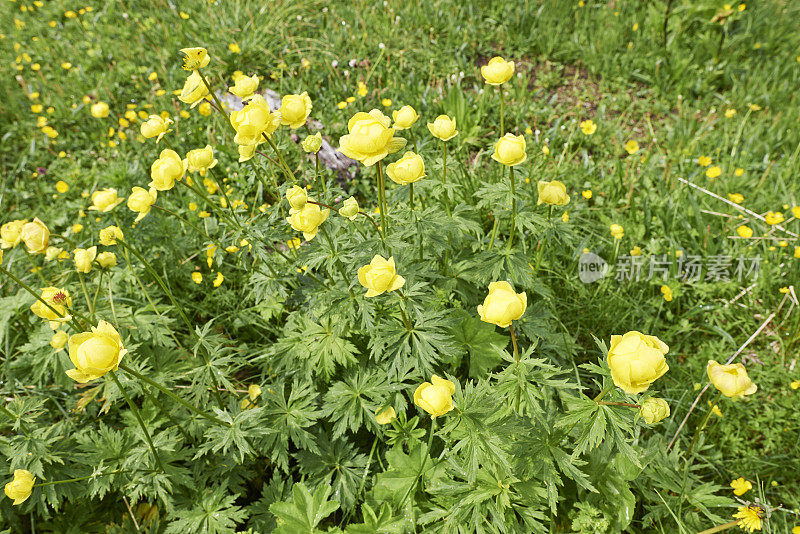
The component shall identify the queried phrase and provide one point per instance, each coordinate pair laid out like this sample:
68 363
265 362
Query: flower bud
654 410
553 193
617 231
349 209
295 110
297 197
436 396
404 118
510 150
84 259
58 340
407 170
109 235
312 143
107 259
443 128
95 353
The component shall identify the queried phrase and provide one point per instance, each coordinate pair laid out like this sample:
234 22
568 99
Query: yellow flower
715 410
436 396
253 392
666 292
617 231
738 172
312 143
385 415
754 107
749 517
631 147
636 251
797 252
295 110
141 200
11 233
502 305
704 161
50 132
195 58
730 113
498 71
362 89
197 277
773 217
744 231
194 90
105 200
109 235
58 340
510 150
545 150
307 220
587 194
95 353
404 118
443 127
234 48
654 410
349 209
731 380
37 108
99 110
84 259
713 172
200 160
297 197
379 276
36 236
407 170
58 299
254 121
155 126
370 139
741 486
565 217
795 384
246 152
19 489
553 193
636 361
341 105
168 168
386 102
204 109
736 198
107 259
218 280
588 127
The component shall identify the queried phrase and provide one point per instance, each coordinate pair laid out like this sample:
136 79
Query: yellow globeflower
666 292
141 200
254 121
736 198
105 200
36 236
307 220
553 193
312 143
349 209
58 340
244 86
654 410
502 305
62 186
194 90
370 139
498 71
436 396
385 415
741 486
109 235
380 276
200 160
443 127
197 277
11 233
404 118
774 217
20 488
297 197
407 170
99 110
631 147
155 126
510 150
253 392
295 110
95 353
59 301
168 168
588 127
195 58
731 380
704 161
617 231
84 259
713 172
107 259
636 360
744 231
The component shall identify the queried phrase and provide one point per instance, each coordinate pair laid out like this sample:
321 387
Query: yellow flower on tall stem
380 276
20 488
36 236
95 353
105 200
436 396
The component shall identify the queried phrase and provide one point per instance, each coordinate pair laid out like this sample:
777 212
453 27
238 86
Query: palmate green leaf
260 518
402 473
419 350
212 512
499 264
350 402
382 522
305 512
289 411
338 466
592 418
482 342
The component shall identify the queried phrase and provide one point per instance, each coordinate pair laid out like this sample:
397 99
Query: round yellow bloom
204 109
736 198
654 410
253 392
773 217
246 152
349 209
704 161
370 139
197 277
617 231
58 299
254 121
631 147
58 340
107 259
731 380
20 488
498 71
194 90
109 235
553 193
666 292
502 305
741 486
744 231
11 233
749 516
636 251
380 276
510 150
295 110
155 126
244 86
84 259
297 197
195 58
404 118
36 236
385 415
443 127
307 220
164 171
62 186
141 200
312 143
713 172
99 110
95 353
636 360
407 170
200 160
436 396
588 127
105 200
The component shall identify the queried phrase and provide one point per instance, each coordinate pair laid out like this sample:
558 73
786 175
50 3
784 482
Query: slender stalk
138 416
411 196
54 482
603 392
96 292
406 322
494 231
703 424
319 179
213 95
422 467
502 109
286 168
666 22
720 528
513 205
382 199
85 293
221 187
514 341
444 178
627 404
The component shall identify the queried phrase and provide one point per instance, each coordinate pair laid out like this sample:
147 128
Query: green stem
136 414
494 231
85 293
318 175
411 196
213 95
502 109
27 288
513 205
444 178
96 292
54 482
286 168
603 392
514 342
703 424
221 187
382 200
